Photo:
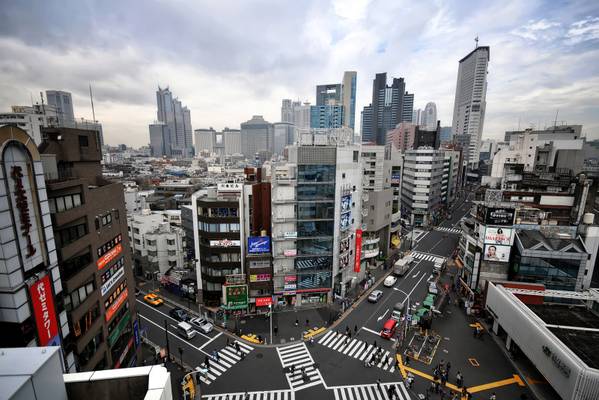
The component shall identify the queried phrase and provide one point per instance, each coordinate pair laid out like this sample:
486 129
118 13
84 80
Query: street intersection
333 365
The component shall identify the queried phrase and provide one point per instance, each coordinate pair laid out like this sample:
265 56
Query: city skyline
209 66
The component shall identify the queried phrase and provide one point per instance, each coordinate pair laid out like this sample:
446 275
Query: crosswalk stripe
351 345
284 394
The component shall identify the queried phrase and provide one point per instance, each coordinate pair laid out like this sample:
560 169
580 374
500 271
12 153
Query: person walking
275 329
391 392
296 322
307 323
493 396
237 348
378 384
207 363
459 379
447 368
355 329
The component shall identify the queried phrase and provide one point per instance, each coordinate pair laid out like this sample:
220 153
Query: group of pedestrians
391 392
376 356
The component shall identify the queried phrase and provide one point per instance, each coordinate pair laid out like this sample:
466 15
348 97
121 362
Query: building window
172 253
83 141
78 296
64 203
170 242
74 264
72 233
106 219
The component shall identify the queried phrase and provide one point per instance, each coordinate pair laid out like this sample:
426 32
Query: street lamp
270 312
168 349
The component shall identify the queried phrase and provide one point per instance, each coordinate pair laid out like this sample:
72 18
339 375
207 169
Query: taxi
153 299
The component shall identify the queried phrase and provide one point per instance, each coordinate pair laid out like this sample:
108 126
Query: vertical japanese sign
358 251
43 309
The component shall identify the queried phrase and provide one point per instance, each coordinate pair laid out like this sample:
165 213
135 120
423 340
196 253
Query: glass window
76 200
60 204
68 202
82 293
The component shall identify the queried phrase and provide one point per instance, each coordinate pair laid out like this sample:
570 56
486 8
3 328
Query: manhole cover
259 355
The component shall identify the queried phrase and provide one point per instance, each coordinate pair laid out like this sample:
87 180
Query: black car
179 314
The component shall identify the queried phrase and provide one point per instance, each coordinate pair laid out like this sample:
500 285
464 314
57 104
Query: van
185 330
402 265
432 288
397 310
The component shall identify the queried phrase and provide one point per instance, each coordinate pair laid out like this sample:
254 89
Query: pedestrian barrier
252 338
313 332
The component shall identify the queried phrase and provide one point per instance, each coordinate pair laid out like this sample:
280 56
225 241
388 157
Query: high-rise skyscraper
175 120
63 101
257 135
296 112
417 116
329 94
470 101
348 94
386 109
429 117
407 107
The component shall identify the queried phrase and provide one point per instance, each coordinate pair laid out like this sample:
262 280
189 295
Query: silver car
201 324
375 296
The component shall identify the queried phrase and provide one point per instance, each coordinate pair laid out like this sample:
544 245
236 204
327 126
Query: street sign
235 297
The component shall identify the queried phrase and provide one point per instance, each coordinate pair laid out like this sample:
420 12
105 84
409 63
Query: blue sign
136 332
258 244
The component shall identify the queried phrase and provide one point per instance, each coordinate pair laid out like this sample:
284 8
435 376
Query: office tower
160 139
329 94
402 137
63 102
315 257
407 107
417 117
232 141
470 101
366 125
421 186
287 111
176 119
257 135
326 116
301 114
426 138
285 135
204 140
429 117
348 95
90 229
387 109
445 135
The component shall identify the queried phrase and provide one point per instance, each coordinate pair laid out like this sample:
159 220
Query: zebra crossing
371 392
298 361
227 357
264 395
427 257
357 349
450 230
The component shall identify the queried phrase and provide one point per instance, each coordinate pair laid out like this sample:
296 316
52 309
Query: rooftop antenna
476 42
31 97
43 106
555 122
91 98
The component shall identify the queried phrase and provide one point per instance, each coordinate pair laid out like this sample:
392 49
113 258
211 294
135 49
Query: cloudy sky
230 60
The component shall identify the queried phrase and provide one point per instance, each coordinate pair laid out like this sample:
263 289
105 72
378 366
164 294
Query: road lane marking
208 342
168 316
382 316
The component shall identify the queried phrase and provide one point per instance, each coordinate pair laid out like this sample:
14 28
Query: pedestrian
442 394
407 362
410 380
227 341
390 361
355 329
459 379
292 369
378 384
347 340
443 379
237 348
246 396
207 363
390 392
347 330
374 344
275 330
349 334
493 396
307 322
447 368
296 322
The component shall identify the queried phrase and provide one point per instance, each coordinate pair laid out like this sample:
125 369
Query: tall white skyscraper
296 112
175 118
429 117
470 101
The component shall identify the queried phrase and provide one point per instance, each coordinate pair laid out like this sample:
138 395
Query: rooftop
582 343
535 240
566 315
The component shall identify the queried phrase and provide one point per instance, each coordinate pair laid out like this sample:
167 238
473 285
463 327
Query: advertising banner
345 220
499 216
225 243
346 203
109 256
114 278
43 309
290 284
114 307
497 253
263 301
136 333
260 278
235 296
358 251
258 244
290 252
114 335
501 236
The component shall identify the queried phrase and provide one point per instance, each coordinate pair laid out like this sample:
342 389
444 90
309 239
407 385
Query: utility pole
168 349
270 312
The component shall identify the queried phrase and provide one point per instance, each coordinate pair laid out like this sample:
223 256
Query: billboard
258 244
260 278
290 284
345 203
345 220
114 307
501 236
499 216
497 253
114 275
263 301
43 309
235 296
109 256
358 250
225 243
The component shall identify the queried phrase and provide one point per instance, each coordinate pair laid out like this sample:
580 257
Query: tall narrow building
429 117
348 98
175 120
470 101
63 102
407 107
335 104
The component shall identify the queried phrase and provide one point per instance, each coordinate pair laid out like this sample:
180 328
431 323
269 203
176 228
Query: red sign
43 308
358 250
114 307
263 301
21 202
109 256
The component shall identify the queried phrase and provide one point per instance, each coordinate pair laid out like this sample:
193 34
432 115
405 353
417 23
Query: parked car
375 296
178 314
153 299
389 329
390 281
201 324
186 330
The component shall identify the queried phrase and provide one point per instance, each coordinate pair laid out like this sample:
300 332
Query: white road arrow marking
383 316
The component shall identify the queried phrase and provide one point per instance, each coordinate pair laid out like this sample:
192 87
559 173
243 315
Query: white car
375 295
390 281
201 324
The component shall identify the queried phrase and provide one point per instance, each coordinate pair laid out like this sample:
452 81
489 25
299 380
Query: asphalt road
339 375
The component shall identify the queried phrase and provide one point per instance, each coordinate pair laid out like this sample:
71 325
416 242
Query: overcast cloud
230 60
